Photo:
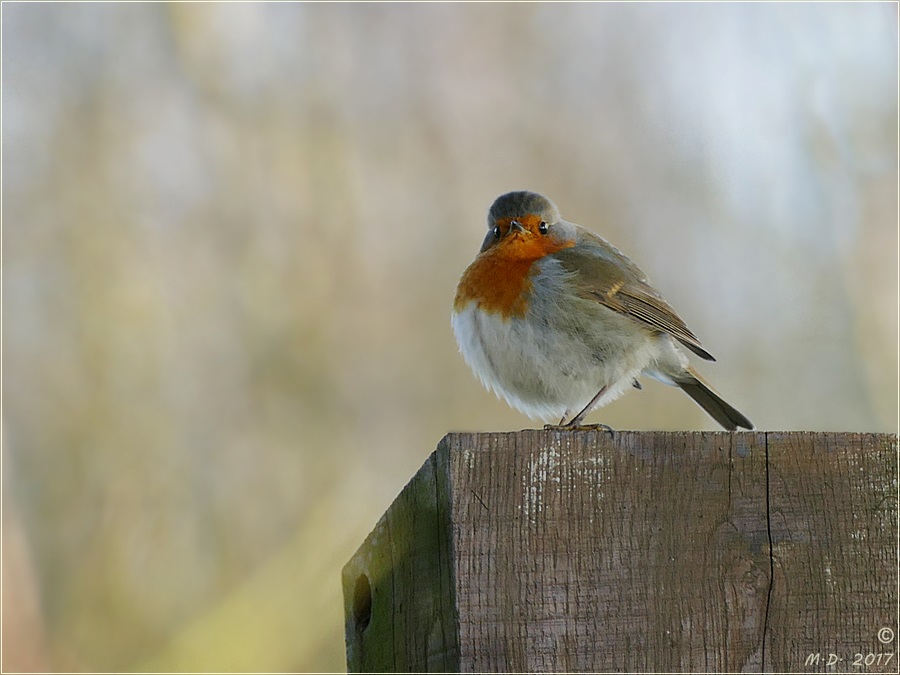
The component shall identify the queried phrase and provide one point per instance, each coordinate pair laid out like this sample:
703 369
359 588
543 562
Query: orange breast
499 279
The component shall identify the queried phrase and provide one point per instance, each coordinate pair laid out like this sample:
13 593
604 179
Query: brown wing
604 274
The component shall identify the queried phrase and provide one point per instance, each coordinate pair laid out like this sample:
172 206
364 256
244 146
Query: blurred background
232 235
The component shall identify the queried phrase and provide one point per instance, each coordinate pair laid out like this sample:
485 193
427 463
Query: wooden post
655 551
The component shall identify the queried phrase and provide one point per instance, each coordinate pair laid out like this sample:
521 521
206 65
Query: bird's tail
723 413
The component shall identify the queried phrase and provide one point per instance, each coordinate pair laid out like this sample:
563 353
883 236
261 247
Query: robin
556 320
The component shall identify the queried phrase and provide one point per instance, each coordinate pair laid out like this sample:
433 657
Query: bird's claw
580 427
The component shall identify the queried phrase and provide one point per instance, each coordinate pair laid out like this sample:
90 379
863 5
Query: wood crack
394 583
771 556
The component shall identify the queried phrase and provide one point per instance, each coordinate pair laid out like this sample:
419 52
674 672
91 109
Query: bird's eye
543 227
496 231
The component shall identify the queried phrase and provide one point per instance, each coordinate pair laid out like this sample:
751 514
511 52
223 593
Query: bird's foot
569 426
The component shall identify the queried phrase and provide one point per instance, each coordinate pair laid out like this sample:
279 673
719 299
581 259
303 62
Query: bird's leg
575 422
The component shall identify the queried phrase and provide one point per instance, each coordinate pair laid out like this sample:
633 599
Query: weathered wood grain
833 503
588 551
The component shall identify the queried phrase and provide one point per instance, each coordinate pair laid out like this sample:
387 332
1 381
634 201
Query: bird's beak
515 225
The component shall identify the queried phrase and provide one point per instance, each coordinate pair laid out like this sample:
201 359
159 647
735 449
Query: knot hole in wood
362 603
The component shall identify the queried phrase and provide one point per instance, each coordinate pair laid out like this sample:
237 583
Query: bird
558 322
